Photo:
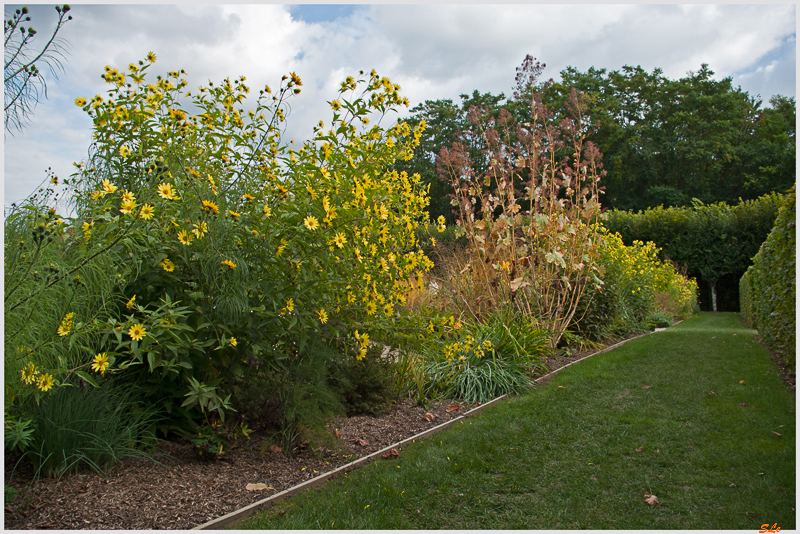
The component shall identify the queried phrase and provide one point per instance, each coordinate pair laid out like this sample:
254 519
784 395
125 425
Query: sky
433 51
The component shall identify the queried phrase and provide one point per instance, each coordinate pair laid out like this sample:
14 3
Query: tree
665 142
24 83
447 122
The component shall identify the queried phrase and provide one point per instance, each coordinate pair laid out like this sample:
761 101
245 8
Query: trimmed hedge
712 242
767 290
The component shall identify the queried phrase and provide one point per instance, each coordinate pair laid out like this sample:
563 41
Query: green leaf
87 378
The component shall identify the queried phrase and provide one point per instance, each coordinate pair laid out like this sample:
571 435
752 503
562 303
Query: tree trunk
713 284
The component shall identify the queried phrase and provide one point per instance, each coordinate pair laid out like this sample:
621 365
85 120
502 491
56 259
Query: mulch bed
185 491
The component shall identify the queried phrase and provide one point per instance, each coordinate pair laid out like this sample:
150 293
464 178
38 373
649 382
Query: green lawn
583 456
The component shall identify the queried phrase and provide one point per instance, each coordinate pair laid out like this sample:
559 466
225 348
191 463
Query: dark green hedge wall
714 242
767 290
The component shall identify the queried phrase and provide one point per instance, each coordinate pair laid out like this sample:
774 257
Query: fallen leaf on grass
776 433
688 424
761 474
652 500
781 426
562 387
429 416
640 449
452 408
743 404
256 487
734 486
359 441
711 393
391 454
645 387
741 381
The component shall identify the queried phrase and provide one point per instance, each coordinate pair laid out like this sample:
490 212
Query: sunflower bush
638 289
219 247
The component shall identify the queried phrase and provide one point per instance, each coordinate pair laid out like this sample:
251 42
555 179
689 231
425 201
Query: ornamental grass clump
487 360
204 246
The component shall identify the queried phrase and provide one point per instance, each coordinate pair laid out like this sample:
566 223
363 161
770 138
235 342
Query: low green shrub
74 427
767 291
369 385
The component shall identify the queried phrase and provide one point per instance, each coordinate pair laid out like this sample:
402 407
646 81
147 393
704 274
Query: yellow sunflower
45 382
166 191
210 206
100 363
184 237
127 207
147 212
137 332
311 222
167 265
108 187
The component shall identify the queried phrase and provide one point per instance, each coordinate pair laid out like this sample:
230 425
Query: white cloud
432 51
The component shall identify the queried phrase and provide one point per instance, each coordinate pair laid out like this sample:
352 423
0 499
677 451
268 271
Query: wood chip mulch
186 491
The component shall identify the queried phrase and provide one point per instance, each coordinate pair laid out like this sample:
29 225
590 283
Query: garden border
236 516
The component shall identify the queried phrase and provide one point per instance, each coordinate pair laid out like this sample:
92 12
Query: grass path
582 451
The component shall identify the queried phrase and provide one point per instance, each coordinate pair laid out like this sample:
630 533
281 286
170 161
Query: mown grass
567 458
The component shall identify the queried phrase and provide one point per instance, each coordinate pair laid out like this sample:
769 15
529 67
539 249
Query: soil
184 490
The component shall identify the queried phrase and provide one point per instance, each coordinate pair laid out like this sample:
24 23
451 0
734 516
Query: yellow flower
290 305
234 214
233 341
323 316
100 363
130 302
127 195
335 105
127 207
137 332
80 101
66 324
247 196
339 240
267 211
210 206
166 191
167 265
229 263
296 79
124 151
147 211
311 222
29 373
184 237
45 382
388 310
200 230
108 187
371 308
151 57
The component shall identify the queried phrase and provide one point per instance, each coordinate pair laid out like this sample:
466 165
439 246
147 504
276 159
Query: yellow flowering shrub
636 284
230 247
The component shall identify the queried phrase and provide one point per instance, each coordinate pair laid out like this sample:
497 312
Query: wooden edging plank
236 516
